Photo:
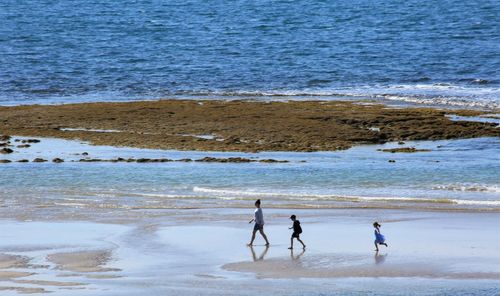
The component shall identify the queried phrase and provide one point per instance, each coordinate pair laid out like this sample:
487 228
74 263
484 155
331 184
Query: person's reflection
261 257
297 257
379 259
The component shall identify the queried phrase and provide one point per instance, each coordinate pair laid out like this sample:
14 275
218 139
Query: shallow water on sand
458 174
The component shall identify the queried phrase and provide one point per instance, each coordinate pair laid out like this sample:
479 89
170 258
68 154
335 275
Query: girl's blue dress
379 238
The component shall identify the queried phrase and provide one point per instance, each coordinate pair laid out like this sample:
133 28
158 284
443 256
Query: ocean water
455 175
441 52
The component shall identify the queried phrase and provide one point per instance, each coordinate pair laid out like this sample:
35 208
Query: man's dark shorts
296 234
258 227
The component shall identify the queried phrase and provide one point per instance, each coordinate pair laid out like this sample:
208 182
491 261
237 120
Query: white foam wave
426 94
346 198
469 187
236 192
477 202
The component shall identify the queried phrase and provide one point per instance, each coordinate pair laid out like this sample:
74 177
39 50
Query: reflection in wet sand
262 255
297 257
379 258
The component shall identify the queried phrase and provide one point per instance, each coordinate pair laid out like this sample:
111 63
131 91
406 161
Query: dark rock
143 160
30 141
392 160
4 138
239 159
85 153
90 160
17 140
207 159
24 146
23 160
401 143
4 161
273 161
223 160
404 150
119 159
130 160
165 160
39 160
185 160
6 150
57 160
4 144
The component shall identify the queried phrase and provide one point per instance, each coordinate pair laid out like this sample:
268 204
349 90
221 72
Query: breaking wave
423 94
224 193
469 188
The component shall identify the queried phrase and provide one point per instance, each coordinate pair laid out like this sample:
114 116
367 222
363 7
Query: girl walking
379 238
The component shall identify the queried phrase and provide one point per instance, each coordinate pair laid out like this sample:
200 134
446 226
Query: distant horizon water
438 53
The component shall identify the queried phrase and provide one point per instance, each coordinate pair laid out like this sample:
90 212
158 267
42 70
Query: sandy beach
187 257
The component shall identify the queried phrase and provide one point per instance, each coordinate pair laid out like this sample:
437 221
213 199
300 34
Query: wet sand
427 251
239 125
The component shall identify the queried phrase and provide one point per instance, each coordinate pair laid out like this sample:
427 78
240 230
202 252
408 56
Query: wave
424 94
469 188
474 95
343 198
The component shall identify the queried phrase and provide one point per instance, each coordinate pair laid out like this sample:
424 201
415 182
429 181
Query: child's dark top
296 228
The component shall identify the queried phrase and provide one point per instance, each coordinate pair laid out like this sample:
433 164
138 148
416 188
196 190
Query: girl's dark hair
375 224
257 201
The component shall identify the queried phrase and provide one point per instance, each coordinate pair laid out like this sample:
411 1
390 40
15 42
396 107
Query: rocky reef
247 126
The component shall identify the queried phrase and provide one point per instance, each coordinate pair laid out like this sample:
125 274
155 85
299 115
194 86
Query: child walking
379 238
297 230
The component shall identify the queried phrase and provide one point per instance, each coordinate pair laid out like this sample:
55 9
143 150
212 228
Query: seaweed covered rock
404 150
39 160
6 150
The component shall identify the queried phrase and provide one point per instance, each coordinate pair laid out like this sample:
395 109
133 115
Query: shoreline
223 183
246 126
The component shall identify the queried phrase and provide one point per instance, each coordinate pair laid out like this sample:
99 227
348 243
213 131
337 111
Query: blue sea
442 52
